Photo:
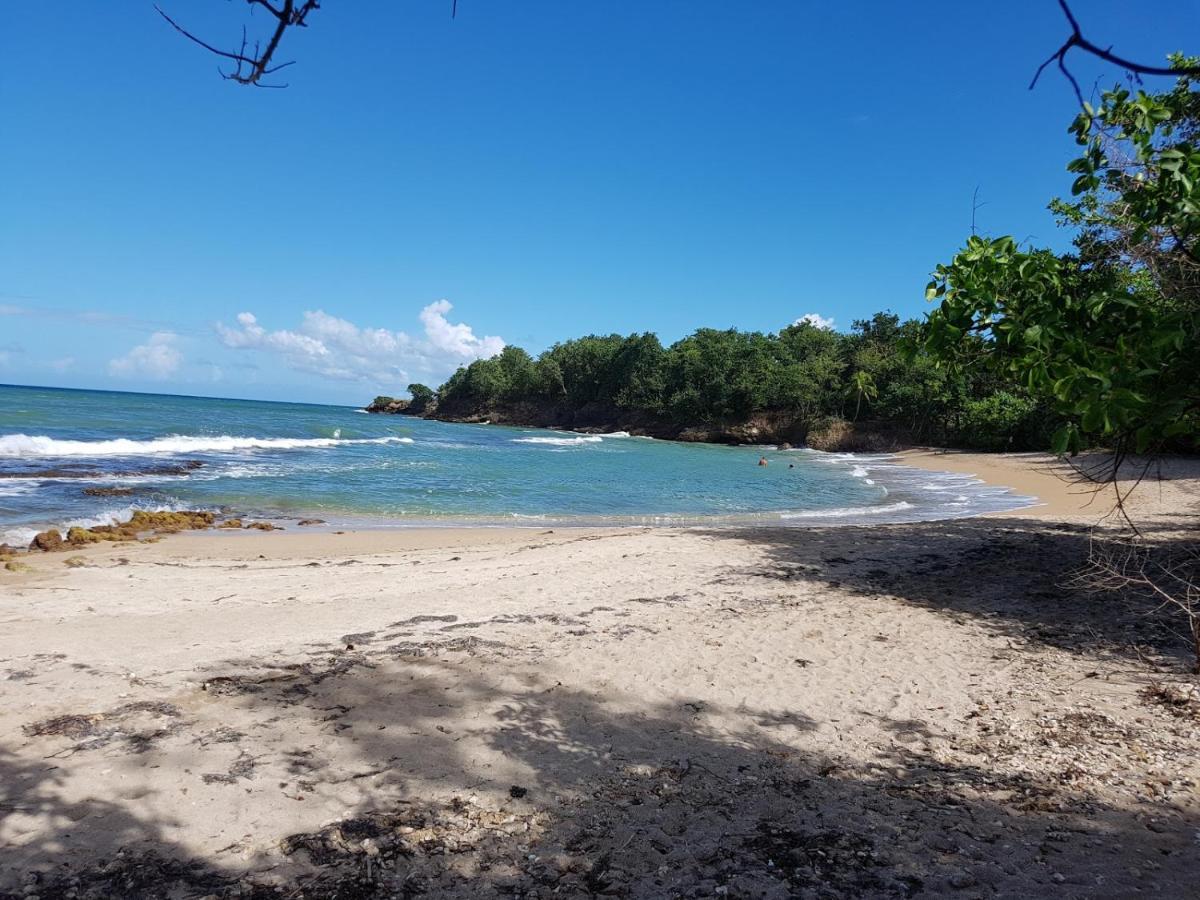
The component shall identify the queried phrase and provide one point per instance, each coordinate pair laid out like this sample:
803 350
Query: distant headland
871 389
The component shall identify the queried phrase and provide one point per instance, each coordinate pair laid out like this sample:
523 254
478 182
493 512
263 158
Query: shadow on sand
1013 574
554 792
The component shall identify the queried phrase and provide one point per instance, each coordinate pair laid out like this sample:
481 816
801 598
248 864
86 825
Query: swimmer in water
762 460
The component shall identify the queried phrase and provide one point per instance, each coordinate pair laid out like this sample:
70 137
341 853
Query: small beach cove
90 458
1046 489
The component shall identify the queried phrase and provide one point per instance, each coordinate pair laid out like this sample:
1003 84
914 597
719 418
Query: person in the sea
762 460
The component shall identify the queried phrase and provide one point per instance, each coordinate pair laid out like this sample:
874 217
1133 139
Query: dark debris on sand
126 723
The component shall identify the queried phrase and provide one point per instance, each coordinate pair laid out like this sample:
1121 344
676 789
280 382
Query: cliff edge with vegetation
870 389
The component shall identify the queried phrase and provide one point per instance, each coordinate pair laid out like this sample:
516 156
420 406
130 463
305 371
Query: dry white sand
905 710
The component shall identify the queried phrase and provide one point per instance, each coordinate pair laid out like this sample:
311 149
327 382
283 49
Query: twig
253 66
1076 39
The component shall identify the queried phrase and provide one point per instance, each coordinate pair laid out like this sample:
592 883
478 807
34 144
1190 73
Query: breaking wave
848 512
561 441
27 446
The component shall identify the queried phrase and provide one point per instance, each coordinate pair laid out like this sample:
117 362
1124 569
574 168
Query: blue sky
427 189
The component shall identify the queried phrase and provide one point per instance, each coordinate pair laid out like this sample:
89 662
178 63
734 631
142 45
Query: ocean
284 461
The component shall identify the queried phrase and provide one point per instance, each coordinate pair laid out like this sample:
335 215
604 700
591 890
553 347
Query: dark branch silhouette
251 65
1076 39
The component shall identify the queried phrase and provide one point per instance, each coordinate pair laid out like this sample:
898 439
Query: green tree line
808 375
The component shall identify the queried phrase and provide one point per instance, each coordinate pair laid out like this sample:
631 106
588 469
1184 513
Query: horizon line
89 390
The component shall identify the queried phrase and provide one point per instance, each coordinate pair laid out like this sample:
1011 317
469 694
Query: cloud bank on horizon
336 348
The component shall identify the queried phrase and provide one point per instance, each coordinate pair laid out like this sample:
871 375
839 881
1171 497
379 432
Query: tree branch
1076 39
251 67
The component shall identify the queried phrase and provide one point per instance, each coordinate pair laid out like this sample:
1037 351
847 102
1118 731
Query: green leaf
1061 440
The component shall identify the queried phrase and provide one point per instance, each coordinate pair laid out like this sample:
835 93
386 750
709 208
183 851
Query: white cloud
61 365
816 320
337 348
456 340
158 358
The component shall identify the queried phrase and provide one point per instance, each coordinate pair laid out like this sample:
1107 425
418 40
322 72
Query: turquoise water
290 460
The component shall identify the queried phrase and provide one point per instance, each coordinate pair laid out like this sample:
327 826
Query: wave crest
848 511
561 441
29 446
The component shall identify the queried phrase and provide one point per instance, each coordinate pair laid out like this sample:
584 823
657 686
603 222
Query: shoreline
1036 475
1060 492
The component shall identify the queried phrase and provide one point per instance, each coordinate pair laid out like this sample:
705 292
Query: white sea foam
19 537
561 441
33 446
839 457
246 470
617 434
847 512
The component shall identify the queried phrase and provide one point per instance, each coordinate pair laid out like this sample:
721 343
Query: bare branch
1156 575
252 66
1076 39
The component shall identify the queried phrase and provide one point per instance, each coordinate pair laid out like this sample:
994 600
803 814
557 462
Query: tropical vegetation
1108 335
804 376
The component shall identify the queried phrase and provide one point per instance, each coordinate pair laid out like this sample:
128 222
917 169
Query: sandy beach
1051 480
899 710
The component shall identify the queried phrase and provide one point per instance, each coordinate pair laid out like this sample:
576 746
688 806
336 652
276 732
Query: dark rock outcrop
781 427
761 428
390 406
183 468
